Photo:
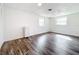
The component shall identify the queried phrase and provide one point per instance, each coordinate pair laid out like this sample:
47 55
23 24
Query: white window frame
61 20
41 21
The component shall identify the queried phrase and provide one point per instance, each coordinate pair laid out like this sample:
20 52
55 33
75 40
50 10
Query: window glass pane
61 21
41 21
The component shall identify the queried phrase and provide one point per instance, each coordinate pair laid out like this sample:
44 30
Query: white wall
15 20
72 27
1 27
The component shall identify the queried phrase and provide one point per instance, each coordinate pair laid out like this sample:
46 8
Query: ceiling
58 9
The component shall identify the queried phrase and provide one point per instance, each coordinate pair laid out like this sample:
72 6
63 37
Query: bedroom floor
43 44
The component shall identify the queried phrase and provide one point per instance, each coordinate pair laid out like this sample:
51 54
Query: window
41 21
61 21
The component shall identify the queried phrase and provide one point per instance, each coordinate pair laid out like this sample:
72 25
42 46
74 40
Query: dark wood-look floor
55 44
52 44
